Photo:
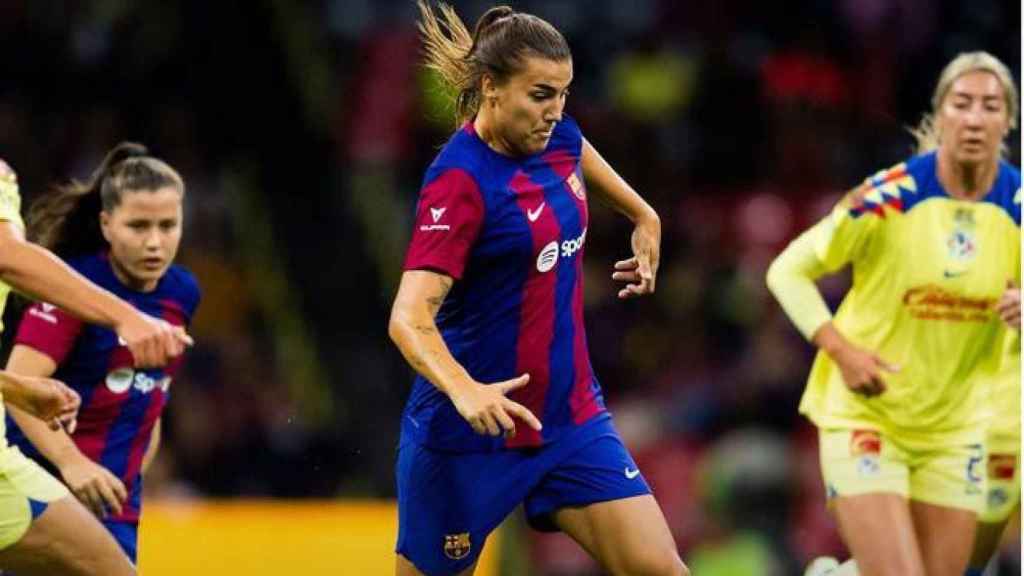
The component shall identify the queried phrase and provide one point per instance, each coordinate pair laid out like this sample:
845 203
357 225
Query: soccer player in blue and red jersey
120 230
506 409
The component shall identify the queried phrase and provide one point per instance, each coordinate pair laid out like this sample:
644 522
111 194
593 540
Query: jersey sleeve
844 236
10 199
449 215
48 329
840 238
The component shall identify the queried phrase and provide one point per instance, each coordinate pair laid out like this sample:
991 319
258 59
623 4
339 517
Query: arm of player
37 272
640 271
791 279
412 329
91 483
152 447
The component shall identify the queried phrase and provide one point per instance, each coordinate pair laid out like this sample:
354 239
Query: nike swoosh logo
948 274
534 214
632 473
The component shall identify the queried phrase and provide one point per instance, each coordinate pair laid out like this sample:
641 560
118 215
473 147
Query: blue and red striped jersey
120 404
511 232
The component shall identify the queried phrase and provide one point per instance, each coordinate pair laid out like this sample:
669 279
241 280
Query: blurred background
302 130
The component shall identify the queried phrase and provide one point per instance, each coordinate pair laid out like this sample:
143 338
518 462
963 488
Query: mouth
152 263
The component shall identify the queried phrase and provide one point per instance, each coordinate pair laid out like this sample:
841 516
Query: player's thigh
448 503
627 536
947 493
879 531
66 540
946 536
403 567
986 541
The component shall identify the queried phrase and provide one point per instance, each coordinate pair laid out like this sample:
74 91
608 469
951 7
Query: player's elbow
775 277
400 323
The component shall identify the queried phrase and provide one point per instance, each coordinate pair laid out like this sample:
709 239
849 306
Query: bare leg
405 568
946 536
879 531
627 536
66 540
986 541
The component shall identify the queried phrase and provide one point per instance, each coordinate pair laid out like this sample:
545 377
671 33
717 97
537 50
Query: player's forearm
791 280
606 184
417 337
55 445
38 273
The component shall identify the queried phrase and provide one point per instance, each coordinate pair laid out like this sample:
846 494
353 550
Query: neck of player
485 129
967 180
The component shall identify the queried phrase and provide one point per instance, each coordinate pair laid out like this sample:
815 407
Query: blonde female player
899 387
43 529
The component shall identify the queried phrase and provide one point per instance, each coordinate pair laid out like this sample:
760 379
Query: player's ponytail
66 219
501 40
927 132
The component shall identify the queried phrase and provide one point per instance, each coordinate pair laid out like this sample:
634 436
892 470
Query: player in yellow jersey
899 387
1003 444
43 529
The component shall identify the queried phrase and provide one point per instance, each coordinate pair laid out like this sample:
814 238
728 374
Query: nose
152 241
554 112
973 117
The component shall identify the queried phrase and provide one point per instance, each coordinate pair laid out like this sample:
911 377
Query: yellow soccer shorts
1002 489
25 491
855 462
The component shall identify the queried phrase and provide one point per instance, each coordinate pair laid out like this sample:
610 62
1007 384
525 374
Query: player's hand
94 485
45 398
640 271
489 411
863 372
1008 306
153 342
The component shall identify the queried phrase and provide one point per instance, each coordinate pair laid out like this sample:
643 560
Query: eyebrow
544 86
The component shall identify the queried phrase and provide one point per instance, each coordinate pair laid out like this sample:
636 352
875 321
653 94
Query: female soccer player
120 230
489 312
899 389
43 530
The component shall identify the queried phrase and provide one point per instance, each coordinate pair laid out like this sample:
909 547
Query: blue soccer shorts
448 502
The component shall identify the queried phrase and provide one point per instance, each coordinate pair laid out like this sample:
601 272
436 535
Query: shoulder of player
95 266
180 281
887 189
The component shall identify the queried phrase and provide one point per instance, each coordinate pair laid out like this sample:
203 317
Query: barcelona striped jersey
511 232
120 404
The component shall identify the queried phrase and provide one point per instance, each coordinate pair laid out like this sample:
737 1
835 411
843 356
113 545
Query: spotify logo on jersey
548 257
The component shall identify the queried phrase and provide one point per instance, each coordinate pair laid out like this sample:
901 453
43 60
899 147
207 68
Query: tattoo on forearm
425 330
434 302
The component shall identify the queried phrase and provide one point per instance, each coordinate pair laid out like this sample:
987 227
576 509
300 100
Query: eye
168 226
137 225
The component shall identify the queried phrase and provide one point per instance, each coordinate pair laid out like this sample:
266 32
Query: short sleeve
449 215
48 329
845 235
10 199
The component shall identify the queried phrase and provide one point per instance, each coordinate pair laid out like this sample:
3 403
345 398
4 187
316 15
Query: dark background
302 130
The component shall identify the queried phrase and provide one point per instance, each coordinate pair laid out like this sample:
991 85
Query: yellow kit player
900 384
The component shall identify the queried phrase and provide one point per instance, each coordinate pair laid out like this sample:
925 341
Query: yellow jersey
927 271
1004 422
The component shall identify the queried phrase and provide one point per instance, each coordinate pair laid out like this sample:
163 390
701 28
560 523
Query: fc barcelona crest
457 546
576 186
